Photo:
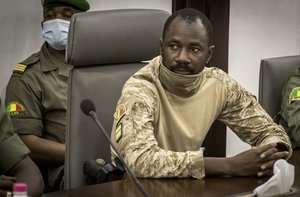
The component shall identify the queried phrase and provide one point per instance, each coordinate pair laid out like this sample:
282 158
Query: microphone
88 107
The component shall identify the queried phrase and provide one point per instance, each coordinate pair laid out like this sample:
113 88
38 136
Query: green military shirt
36 97
12 149
290 108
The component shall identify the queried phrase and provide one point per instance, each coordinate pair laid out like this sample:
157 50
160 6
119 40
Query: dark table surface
208 187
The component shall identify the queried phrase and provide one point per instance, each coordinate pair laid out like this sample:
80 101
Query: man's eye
195 50
173 46
49 16
67 16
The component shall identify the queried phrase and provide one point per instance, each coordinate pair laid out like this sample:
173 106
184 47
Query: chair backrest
105 49
273 75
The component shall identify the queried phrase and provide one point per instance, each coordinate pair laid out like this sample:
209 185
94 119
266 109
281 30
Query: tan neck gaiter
182 85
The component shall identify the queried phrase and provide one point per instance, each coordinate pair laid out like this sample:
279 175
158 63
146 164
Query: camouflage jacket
162 119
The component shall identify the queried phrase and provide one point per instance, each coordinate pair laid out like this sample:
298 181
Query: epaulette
21 67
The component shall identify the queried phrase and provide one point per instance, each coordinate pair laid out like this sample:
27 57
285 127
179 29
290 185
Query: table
208 187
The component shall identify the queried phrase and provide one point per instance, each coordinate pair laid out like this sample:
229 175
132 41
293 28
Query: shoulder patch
294 95
15 108
120 112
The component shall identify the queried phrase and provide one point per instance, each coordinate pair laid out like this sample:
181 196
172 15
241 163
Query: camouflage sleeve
290 109
133 133
245 116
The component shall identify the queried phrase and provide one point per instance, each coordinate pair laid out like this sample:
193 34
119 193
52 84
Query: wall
20 33
259 29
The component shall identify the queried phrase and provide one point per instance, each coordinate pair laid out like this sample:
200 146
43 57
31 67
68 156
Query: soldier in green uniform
36 95
289 115
15 163
167 108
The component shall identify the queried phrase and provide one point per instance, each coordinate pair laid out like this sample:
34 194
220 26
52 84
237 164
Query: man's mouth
182 71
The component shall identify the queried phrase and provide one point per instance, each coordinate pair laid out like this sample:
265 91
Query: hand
6 182
271 158
257 161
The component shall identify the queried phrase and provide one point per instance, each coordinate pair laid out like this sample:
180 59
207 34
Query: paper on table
281 182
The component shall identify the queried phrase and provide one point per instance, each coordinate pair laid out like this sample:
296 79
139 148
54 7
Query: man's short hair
190 15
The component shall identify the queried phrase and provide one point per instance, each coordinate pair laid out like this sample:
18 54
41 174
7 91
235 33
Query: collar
181 85
50 63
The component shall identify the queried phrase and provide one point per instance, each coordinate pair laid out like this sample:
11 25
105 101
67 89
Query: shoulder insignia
294 95
20 68
15 108
120 112
119 132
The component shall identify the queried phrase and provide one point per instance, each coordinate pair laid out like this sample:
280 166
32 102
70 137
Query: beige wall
259 29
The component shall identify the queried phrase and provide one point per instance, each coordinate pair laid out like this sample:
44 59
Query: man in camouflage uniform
36 95
167 108
15 164
290 109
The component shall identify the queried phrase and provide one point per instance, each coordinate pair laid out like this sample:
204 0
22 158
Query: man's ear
210 53
160 45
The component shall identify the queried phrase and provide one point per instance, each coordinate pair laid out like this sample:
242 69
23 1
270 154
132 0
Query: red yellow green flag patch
15 108
121 110
294 95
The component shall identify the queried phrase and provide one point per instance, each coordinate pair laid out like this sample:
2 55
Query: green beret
79 4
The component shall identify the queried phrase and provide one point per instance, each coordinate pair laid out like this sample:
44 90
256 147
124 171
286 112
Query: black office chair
105 48
273 75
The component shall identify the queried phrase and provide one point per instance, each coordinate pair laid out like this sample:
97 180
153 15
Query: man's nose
183 56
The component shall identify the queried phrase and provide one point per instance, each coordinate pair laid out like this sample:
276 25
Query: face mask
55 32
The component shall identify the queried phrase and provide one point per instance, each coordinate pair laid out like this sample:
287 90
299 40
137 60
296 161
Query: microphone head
87 106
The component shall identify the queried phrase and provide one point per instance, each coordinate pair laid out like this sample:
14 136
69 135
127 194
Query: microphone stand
135 180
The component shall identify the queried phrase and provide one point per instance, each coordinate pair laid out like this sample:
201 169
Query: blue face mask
55 32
